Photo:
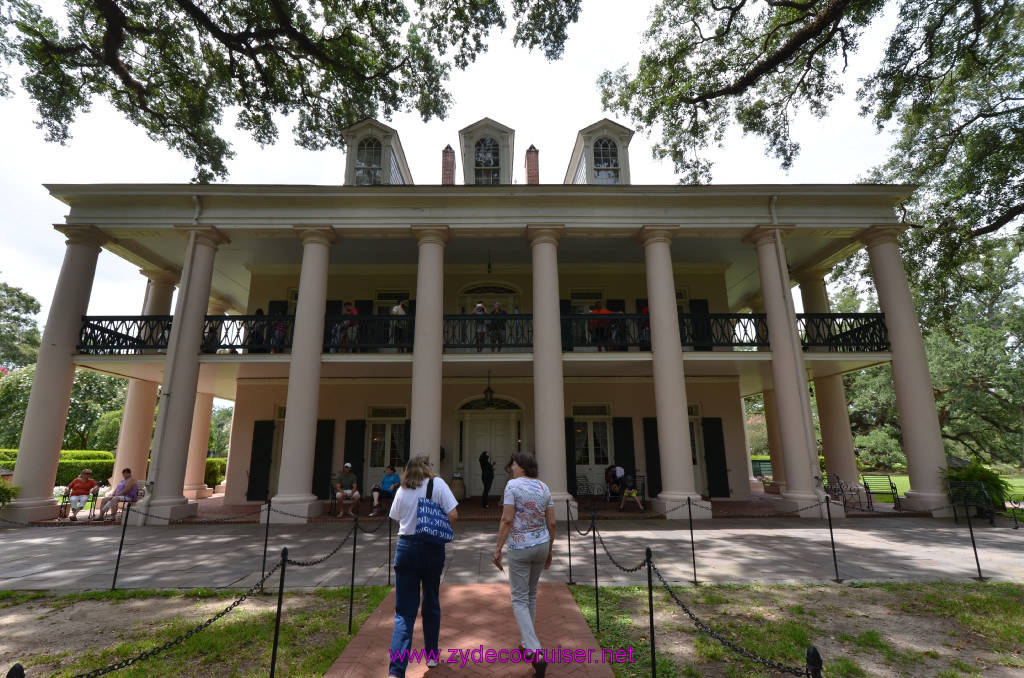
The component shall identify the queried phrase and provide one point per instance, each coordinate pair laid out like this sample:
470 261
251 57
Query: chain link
639 565
769 663
310 563
380 524
573 524
124 663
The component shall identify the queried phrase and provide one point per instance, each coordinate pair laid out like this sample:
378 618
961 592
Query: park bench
880 484
1015 507
968 493
838 489
762 468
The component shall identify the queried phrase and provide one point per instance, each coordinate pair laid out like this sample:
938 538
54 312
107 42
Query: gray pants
524 568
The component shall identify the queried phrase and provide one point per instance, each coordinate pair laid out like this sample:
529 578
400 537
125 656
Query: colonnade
179 443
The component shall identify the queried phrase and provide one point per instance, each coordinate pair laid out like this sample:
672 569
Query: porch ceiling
220 374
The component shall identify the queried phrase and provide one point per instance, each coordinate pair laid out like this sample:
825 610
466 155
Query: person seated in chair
347 488
79 490
386 488
613 481
126 491
629 491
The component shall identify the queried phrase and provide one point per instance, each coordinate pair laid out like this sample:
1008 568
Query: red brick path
475 615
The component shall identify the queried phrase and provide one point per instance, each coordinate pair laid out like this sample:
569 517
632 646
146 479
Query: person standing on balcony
600 326
496 326
398 326
351 328
257 337
480 325
280 329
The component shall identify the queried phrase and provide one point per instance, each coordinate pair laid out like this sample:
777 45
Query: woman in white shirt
417 563
528 524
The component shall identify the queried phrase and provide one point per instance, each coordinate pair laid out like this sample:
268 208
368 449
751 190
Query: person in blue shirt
386 488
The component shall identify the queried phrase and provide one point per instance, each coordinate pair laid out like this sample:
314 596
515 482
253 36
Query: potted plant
7 493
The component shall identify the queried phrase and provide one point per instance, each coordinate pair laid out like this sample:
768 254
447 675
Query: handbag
432 524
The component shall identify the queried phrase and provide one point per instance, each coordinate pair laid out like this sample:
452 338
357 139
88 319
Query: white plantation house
692 284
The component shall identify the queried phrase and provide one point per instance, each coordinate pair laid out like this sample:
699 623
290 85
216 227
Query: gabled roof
486 122
602 127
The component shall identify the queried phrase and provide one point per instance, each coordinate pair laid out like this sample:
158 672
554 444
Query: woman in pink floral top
528 525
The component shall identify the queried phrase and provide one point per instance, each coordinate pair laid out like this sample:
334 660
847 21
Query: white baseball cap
348 465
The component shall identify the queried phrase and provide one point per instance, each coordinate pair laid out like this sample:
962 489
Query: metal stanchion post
124 527
814 662
389 549
650 611
967 511
693 549
266 538
280 602
597 598
568 537
832 537
352 582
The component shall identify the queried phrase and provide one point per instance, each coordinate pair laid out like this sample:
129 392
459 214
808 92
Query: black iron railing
514 332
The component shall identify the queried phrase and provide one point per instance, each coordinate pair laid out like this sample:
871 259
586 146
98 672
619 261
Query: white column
136 434
166 499
199 441
47 414
548 386
833 416
669 381
771 424
800 454
428 344
295 481
919 422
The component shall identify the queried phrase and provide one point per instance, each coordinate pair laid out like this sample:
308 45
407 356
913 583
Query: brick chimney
448 166
532 165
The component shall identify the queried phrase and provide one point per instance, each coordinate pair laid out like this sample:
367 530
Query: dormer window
369 169
486 163
606 161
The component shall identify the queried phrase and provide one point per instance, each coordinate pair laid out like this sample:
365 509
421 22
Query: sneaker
75 518
431 663
540 666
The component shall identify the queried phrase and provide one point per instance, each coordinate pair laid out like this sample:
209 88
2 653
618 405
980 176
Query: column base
775 488
299 512
756 485
29 510
561 512
795 501
936 503
197 491
221 489
161 512
701 510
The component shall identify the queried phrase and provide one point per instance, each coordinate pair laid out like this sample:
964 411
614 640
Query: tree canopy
173 67
19 334
949 82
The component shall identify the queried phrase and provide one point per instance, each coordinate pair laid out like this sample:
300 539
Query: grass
861 630
312 636
903 484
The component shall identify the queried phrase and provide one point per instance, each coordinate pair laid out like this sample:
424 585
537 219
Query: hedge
216 469
12 455
69 469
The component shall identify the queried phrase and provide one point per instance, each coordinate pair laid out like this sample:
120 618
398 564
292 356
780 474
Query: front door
592 446
496 433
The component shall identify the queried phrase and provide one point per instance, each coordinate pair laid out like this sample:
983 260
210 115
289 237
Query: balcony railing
514 332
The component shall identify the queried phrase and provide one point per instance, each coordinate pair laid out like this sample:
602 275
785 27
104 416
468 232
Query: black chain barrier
811 672
124 663
366 531
310 563
638 566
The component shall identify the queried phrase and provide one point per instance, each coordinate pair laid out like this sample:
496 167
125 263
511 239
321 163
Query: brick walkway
475 615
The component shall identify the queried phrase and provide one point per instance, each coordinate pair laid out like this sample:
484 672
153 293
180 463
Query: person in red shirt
600 326
79 488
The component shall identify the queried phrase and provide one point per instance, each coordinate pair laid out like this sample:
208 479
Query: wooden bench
968 493
761 468
880 484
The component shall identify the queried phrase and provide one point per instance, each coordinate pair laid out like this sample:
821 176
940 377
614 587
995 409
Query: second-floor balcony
831 332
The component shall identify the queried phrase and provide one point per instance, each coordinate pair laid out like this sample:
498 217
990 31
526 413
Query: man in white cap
347 488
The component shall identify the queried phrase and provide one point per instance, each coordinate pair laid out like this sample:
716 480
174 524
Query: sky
546 103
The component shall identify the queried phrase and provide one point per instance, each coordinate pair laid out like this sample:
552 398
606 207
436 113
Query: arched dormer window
486 163
606 161
369 167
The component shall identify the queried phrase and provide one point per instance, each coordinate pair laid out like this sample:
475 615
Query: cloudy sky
546 103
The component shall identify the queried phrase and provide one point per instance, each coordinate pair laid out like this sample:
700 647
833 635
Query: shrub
216 469
85 454
8 455
69 469
997 487
7 492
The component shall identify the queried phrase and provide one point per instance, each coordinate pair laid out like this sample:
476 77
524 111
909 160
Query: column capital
544 233
158 275
322 235
84 234
763 233
211 236
432 234
810 276
653 234
878 235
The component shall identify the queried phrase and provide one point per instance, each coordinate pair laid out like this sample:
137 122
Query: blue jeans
416 564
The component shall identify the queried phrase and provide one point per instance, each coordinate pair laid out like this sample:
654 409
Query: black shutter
570 456
641 304
702 336
714 457
260 460
276 305
622 439
652 455
323 458
355 446
564 309
334 307
408 429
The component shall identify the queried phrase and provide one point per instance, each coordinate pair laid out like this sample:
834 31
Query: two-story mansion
343 321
